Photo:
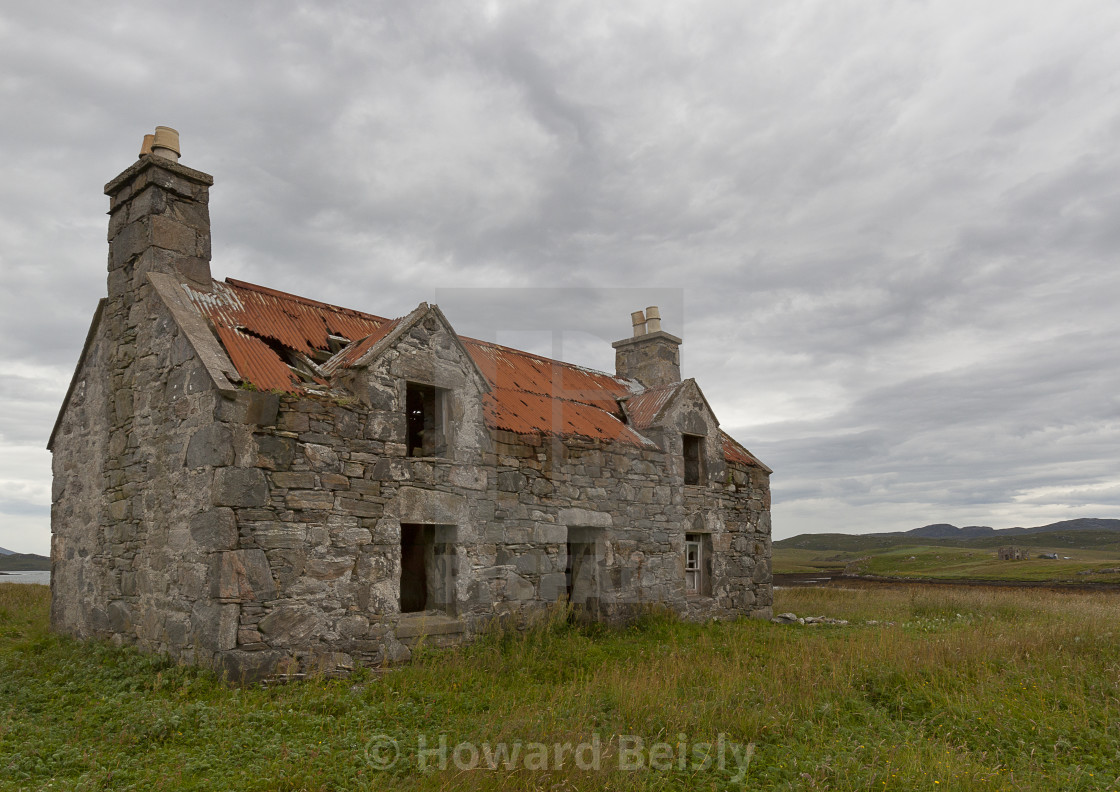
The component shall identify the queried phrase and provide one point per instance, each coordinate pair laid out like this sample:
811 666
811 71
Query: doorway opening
428 568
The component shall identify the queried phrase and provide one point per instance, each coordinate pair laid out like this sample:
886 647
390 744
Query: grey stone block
275 453
293 480
215 529
291 624
511 481
242 575
585 518
321 457
240 487
554 585
518 588
246 668
279 535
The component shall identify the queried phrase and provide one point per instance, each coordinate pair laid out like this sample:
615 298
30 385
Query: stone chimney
652 356
159 219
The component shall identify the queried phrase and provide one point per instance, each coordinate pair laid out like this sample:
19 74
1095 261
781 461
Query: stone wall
321 544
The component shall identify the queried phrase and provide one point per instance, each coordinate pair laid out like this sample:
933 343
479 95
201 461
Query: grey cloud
893 226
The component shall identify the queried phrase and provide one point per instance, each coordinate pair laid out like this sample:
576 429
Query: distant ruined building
1011 553
254 481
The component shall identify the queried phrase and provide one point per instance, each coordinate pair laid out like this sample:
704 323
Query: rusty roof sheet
256 361
529 393
295 322
643 408
512 369
526 413
733 451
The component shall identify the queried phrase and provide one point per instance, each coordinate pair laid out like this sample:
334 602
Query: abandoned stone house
251 480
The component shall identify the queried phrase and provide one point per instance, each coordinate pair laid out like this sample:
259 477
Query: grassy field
1083 565
954 689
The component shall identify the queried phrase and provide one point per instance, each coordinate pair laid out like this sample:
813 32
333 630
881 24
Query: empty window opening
697 564
424 408
693 459
427 568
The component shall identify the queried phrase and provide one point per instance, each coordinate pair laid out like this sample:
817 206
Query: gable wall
127 564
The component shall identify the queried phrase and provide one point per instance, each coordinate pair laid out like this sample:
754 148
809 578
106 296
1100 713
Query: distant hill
5 552
24 562
1085 532
1083 524
946 531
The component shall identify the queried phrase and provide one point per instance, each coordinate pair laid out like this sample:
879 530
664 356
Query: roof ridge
542 358
240 284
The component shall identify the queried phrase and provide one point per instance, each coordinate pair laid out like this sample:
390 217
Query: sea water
42 578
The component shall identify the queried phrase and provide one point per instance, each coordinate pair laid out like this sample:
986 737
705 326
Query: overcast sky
887 231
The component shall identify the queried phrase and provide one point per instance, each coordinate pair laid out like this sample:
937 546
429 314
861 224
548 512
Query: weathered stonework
253 531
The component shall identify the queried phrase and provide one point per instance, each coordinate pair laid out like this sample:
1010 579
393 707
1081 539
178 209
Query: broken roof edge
240 284
739 447
341 359
403 324
90 334
196 329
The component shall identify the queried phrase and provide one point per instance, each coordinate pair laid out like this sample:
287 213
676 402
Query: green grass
966 689
950 562
857 543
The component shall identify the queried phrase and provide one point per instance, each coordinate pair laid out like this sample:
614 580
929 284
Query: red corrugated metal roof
734 452
512 369
644 407
526 413
256 362
529 393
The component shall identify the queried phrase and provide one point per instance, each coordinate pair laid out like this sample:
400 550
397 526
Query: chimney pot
653 319
146 146
639 322
165 143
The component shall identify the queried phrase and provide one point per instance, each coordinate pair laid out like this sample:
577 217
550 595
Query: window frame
693 566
